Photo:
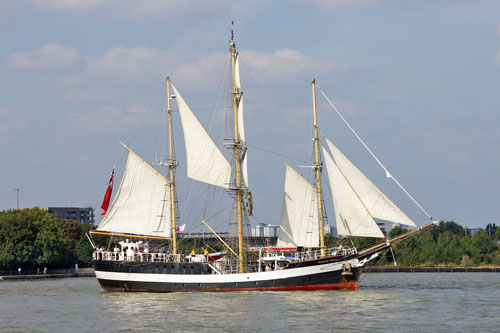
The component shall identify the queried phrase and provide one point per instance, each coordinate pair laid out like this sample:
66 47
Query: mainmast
237 155
171 166
317 169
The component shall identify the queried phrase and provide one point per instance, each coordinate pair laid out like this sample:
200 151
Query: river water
385 302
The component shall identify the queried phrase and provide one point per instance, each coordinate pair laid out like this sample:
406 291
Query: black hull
313 280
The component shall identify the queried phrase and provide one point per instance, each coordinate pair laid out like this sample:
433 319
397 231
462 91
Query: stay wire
275 153
388 174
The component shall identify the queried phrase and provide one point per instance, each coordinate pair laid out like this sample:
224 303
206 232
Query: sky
418 80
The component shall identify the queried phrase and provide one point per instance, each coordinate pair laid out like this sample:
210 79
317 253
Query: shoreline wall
398 269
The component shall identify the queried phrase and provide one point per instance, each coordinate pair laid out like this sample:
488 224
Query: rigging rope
275 153
387 173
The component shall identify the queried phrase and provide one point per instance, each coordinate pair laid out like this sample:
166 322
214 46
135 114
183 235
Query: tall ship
144 209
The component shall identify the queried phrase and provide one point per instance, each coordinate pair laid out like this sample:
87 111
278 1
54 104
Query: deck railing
310 254
147 257
167 257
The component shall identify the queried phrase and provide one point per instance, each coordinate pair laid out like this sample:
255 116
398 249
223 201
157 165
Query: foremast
172 164
238 158
317 170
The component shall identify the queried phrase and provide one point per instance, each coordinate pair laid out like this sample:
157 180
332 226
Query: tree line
31 238
445 244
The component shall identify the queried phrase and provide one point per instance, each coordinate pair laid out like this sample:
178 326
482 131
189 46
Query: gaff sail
299 217
142 203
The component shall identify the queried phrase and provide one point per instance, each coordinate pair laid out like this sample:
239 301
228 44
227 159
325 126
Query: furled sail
205 162
376 202
299 217
142 203
352 217
241 126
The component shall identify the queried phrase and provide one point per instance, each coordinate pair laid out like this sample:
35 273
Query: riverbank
84 273
401 269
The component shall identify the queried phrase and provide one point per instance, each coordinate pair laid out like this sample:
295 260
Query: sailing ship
144 207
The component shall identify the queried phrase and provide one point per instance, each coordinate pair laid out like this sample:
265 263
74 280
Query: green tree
30 238
84 248
397 231
481 248
491 229
497 235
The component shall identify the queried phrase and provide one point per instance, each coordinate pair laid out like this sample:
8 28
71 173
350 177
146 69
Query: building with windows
258 231
271 230
473 231
386 227
330 230
79 214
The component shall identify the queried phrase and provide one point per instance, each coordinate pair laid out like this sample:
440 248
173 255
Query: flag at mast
107 196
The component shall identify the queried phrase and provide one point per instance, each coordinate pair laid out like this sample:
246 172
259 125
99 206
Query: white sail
376 202
352 217
241 130
237 81
142 203
241 126
299 217
205 162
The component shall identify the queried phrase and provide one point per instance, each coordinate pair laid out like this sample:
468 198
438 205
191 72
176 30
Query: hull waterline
172 277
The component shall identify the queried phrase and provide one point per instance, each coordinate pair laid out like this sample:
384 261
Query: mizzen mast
317 169
238 157
171 166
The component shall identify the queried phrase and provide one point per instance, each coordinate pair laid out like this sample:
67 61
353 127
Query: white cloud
346 4
169 10
125 76
118 72
496 59
107 118
75 4
287 63
122 71
462 159
50 56
346 107
10 123
119 64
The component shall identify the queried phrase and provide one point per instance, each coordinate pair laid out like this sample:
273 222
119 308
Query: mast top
231 35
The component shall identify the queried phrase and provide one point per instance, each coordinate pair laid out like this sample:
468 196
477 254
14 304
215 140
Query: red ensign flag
107 196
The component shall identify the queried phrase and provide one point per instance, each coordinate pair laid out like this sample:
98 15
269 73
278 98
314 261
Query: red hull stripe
352 285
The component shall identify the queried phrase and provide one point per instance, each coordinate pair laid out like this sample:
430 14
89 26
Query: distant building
386 227
474 230
258 231
79 214
271 231
265 235
264 230
330 230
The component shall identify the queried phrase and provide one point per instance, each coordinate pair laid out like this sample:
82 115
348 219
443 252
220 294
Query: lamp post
17 196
